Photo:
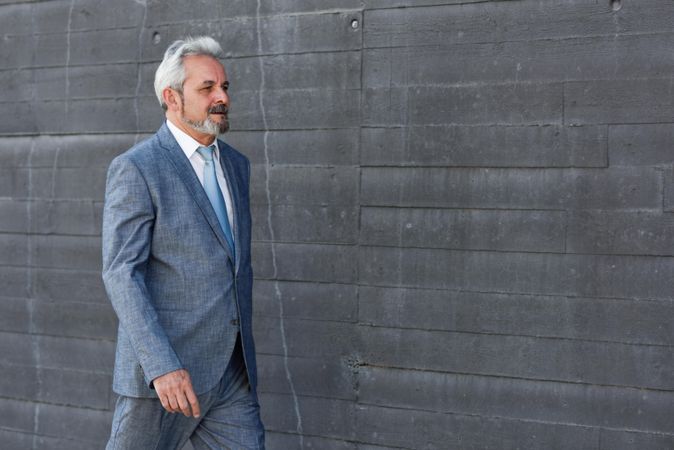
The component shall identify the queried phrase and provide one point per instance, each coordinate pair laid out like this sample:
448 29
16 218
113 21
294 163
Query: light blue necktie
215 194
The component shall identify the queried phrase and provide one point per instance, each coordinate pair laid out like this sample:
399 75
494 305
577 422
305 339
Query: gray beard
204 126
207 126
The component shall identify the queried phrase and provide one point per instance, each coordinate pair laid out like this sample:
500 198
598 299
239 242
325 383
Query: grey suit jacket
168 271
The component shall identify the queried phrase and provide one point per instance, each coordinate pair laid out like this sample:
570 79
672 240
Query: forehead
199 68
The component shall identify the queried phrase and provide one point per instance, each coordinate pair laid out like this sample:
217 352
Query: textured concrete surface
463 215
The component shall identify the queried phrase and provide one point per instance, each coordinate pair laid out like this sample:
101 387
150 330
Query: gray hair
171 71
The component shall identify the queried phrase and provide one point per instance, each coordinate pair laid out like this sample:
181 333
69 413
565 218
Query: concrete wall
463 215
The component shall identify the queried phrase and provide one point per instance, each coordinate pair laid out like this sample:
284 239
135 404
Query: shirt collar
187 143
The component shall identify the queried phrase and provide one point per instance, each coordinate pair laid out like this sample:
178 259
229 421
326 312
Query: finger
183 404
173 403
194 402
165 403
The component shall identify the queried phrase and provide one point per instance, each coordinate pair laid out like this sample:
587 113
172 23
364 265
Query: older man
177 269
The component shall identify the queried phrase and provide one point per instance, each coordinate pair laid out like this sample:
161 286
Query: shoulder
234 155
141 156
240 161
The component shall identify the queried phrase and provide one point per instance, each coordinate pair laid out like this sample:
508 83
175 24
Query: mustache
218 109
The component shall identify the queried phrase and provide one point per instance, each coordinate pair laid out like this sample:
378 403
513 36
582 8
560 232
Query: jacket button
234 322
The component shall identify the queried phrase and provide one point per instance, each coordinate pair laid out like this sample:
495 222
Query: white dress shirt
189 145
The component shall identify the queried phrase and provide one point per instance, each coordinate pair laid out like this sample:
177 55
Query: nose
221 96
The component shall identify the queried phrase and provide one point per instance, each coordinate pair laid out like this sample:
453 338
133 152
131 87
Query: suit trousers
230 418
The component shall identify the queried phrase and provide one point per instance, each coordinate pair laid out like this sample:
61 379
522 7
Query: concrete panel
74 319
298 6
514 104
668 201
545 60
46 17
627 277
290 441
16 15
76 48
27 50
640 145
67 182
100 81
592 319
278 34
14 281
74 116
320 417
49 151
617 188
293 185
66 252
56 443
15 440
543 359
14 183
318 377
19 382
333 147
506 21
68 285
310 262
97 14
76 354
14 249
75 217
15 151
13 215
17 349
399 428
19 85
74 388
496 146
14 314
316 301
172 11
537 231
330 70
86 424
306 223
517 399
617 101
626 440
19 416
613 232
305 338
18 118
320 108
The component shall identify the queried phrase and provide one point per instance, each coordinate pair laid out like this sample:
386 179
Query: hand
176 393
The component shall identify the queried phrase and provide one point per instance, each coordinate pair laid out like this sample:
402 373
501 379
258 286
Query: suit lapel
232 185
186 173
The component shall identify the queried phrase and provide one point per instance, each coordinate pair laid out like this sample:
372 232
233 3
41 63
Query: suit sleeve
128 219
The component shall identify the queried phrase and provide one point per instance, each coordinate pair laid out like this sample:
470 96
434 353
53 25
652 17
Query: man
177 269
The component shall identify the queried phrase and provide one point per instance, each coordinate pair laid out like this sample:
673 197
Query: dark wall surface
463 215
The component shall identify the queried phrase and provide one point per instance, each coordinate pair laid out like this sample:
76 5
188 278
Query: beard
207 126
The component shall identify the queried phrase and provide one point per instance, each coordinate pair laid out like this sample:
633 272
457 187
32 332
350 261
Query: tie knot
206 152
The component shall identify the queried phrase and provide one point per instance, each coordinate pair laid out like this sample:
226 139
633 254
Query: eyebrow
211 83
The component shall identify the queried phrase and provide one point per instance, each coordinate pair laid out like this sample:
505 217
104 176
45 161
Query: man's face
205 102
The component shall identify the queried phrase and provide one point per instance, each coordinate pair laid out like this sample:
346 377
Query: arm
128 220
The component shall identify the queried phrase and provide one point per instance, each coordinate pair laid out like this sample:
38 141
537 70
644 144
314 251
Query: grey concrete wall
463 215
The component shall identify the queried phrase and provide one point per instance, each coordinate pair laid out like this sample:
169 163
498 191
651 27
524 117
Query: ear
172 99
